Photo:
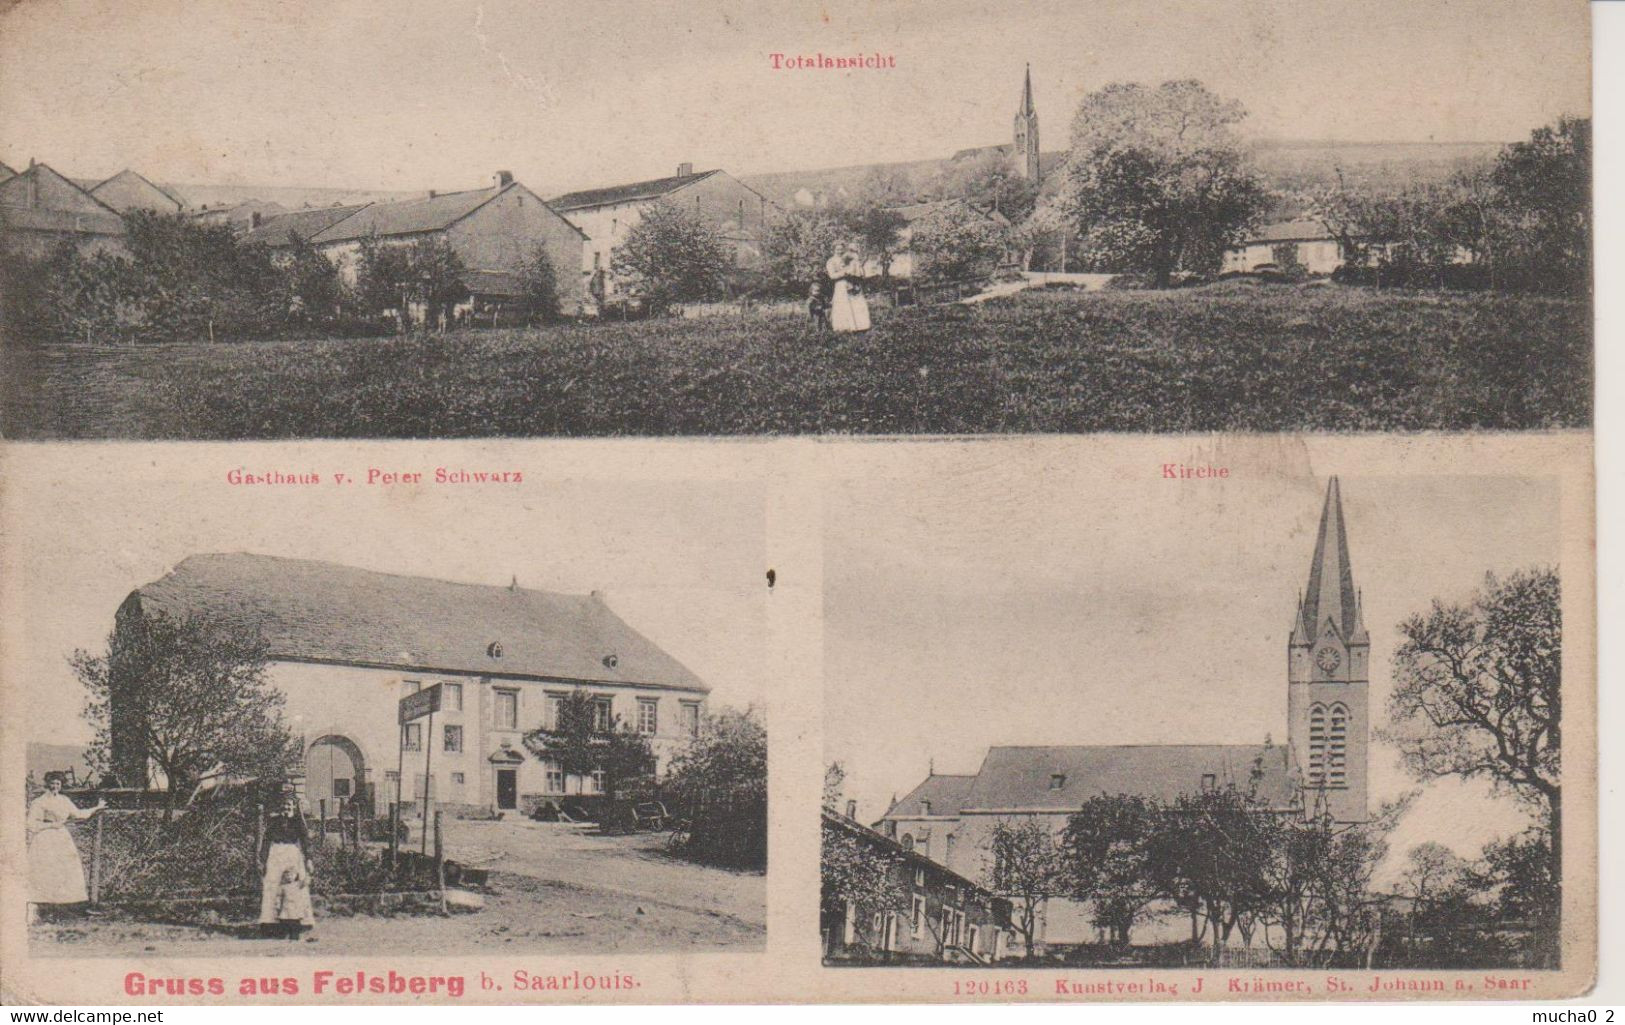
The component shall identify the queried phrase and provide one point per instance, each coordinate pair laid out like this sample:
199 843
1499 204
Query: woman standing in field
56 876
848 310
285 907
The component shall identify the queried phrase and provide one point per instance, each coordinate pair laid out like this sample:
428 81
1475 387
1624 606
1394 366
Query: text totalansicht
821 61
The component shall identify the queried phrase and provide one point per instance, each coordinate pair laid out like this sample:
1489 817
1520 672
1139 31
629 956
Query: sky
415 94
990 609
679 561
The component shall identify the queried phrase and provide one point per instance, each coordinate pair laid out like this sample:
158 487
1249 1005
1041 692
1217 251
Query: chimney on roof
513 585
684 170
433 193
852 810
504 179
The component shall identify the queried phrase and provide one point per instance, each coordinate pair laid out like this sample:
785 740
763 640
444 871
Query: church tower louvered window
1337 736
1317 746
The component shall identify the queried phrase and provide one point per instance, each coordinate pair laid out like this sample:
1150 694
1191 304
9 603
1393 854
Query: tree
1478 695
1027 866
989 180
1210 854
670 255
427 272
1545 186
314 287
1524 874
189 696
582 740
878 232
541 287
1157 180
1105 846
957 241
796 247
720 778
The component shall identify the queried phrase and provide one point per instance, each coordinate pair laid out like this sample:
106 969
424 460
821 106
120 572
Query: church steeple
1331 596
1328 675
1025 150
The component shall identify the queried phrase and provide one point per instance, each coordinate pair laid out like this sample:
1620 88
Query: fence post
96 862
394 831
322 804
440 862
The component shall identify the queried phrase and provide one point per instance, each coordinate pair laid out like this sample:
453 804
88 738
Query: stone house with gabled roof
40 210
737 212
1322 769
128 191
494 230
950 917
347 644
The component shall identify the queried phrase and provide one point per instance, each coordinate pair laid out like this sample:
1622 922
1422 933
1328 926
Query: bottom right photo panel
1226 731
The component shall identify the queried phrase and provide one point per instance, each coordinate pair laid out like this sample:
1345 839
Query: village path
1038 279
634 865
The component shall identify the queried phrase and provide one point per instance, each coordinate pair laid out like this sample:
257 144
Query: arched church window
1317 745
908 841
1337 746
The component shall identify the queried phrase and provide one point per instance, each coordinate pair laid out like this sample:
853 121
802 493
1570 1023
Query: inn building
1320 770
347 644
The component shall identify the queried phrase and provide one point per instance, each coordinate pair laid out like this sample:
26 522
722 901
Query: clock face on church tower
1328 659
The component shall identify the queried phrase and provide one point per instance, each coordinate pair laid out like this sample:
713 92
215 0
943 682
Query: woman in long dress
285 907
56 875
848 309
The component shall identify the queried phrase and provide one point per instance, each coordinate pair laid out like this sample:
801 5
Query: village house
240 217
41 210
128 191
1286 243
346 645
950 917
737 212
906 263
1321 769
496 231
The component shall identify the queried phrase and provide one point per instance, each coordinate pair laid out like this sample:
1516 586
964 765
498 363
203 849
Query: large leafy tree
1157 180
796 247
870 877
957 241
1545 185
671 255
1478 695
878 232
190 697
581 741
991 181
1026 865
1105 845
720 779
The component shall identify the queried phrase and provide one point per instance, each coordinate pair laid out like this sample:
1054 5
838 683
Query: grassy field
1227 357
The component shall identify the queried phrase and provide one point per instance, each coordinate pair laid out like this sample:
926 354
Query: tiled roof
322 612
409 217
833 820
1290 231
127 176
22 218
281 230
652 189
1024 778
946 795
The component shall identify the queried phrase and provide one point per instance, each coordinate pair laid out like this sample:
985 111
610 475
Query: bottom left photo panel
317 715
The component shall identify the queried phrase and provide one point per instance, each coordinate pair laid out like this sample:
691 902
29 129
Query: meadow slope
1227 357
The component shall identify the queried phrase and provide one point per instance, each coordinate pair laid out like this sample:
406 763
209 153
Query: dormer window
1057 780
925 807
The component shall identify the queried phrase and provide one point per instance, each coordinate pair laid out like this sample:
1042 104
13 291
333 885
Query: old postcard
477 478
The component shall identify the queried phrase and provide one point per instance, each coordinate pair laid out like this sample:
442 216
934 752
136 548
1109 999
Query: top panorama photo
430 220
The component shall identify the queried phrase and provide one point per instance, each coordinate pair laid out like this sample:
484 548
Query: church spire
1027 108
1331 594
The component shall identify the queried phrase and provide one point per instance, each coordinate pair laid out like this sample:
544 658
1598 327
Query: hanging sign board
424 702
